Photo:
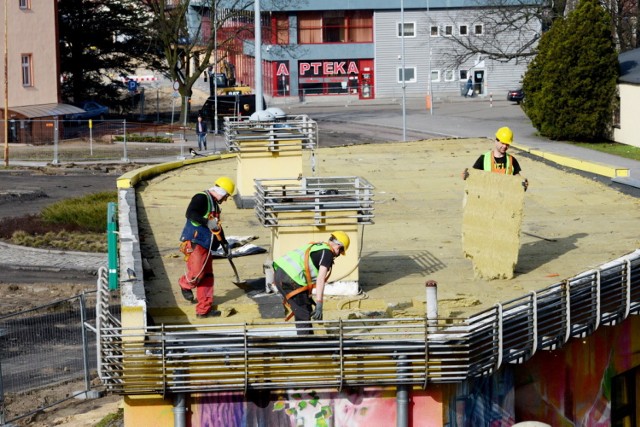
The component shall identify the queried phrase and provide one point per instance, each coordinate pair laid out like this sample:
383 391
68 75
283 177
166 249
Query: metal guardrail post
124 157
55 141
2 417
112 244
85 344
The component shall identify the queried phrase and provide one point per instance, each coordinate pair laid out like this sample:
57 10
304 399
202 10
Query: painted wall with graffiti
353 408
571 386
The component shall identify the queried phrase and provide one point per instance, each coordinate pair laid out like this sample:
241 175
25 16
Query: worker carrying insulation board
301 270
493 210
201 235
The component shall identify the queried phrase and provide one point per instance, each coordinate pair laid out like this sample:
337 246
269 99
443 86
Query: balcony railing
364 352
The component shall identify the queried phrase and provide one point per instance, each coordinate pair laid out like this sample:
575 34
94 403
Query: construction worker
300 270
497 160
201 235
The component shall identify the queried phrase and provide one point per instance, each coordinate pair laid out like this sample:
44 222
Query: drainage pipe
402 395
179 410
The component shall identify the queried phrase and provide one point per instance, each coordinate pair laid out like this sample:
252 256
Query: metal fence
44 348
58 141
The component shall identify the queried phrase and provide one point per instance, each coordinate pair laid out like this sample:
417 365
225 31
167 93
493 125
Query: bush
87 213
571 84
143 138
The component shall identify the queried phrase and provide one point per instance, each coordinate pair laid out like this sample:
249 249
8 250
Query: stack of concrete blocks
492 218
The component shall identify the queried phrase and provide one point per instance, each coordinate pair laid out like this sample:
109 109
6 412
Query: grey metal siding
427 53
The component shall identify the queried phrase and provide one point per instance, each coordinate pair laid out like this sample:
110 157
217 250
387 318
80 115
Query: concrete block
492 218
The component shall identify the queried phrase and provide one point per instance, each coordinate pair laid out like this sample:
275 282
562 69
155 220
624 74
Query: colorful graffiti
570 386
309 408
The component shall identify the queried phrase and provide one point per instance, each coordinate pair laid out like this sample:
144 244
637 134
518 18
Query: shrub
570 86
143 138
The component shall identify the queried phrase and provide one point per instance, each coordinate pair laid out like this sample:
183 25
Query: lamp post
258 54
404 86
6 89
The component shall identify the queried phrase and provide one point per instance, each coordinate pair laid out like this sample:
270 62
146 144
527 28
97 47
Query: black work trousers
301 304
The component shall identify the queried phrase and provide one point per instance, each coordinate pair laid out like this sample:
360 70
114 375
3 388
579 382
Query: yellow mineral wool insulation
491 222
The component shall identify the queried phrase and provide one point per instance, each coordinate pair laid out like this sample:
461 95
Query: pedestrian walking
301 270
201 131
201 235
497 160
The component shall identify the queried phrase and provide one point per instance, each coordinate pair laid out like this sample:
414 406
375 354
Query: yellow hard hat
504 135
226 184
342 238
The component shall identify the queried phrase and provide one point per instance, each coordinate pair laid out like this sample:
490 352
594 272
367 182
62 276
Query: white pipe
431 287
179 410
258 54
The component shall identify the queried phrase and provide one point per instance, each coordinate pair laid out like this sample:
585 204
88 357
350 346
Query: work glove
317 313
525 184
213 224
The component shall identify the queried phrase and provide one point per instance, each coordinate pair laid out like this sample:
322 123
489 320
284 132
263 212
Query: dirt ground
25 191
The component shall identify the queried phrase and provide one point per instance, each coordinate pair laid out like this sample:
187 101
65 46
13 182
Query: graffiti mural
309 408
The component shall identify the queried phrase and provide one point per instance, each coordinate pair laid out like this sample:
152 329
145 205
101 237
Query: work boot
188 295
211 313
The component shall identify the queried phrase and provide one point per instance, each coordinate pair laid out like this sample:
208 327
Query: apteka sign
321 68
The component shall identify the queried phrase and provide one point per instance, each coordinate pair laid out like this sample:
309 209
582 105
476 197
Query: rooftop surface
572 223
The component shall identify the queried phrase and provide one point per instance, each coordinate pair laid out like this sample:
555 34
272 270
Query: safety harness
307 274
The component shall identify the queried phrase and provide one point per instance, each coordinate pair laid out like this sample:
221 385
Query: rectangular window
449 76
463 74
463 30
409 29
27 70
435 75
435 31
478 29
335 27
448 30
24 4
409 75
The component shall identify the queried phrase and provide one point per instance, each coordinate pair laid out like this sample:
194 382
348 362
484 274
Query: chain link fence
43 349
58 141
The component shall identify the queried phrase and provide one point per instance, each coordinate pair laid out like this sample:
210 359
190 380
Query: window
449 76
435 31
25 4
27 69
335 27
435 75
478 29
463 75
409 29
448 30
463 30
409 75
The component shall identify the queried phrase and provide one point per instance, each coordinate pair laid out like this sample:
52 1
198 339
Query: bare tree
189 45
501 31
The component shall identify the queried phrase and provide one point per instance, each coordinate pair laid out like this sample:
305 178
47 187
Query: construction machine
226 98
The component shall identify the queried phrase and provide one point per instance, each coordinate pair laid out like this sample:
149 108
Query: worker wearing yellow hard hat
497 160
201 235
301 270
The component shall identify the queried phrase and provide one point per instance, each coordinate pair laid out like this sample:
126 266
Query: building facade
32 87
361 48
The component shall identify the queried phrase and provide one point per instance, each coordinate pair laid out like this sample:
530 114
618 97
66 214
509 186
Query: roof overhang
45 110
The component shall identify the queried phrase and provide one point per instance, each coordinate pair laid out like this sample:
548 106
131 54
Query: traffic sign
132 85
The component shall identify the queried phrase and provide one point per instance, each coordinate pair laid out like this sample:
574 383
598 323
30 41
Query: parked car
93 110
515 95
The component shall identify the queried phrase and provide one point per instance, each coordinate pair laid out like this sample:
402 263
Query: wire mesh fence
42 349
58 141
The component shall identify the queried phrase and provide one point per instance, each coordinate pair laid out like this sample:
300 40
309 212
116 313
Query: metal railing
42 348
367 352
315 201
291 133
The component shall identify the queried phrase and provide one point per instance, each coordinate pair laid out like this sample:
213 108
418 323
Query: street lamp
404 86
258 54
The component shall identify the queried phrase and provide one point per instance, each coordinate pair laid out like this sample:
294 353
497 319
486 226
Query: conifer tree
570 87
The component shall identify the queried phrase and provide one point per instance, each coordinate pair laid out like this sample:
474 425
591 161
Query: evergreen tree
100 42
570 86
